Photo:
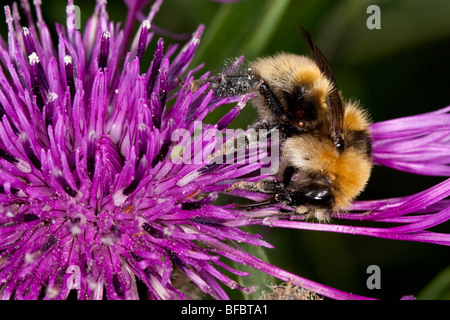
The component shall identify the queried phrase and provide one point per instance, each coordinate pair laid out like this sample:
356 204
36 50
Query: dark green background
399 70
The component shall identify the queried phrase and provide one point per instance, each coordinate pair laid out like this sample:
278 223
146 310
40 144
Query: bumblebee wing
334 100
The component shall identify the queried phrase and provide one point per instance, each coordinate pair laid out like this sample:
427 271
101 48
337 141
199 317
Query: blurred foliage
438 288
398 70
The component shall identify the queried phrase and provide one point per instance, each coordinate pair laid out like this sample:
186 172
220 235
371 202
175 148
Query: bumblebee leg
242 141
265 124
262 203
263 185
228 85
234 145
287 175
258 132
273 102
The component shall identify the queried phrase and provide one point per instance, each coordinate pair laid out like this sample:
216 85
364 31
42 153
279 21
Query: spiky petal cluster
91 199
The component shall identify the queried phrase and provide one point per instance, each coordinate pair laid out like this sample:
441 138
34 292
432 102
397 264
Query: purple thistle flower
96 195
91 200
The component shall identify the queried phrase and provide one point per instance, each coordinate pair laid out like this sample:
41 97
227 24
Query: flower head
106 178
92 200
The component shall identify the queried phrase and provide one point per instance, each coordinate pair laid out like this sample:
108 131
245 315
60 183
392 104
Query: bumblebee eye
317 197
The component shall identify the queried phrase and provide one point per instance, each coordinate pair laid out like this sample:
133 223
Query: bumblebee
326 152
